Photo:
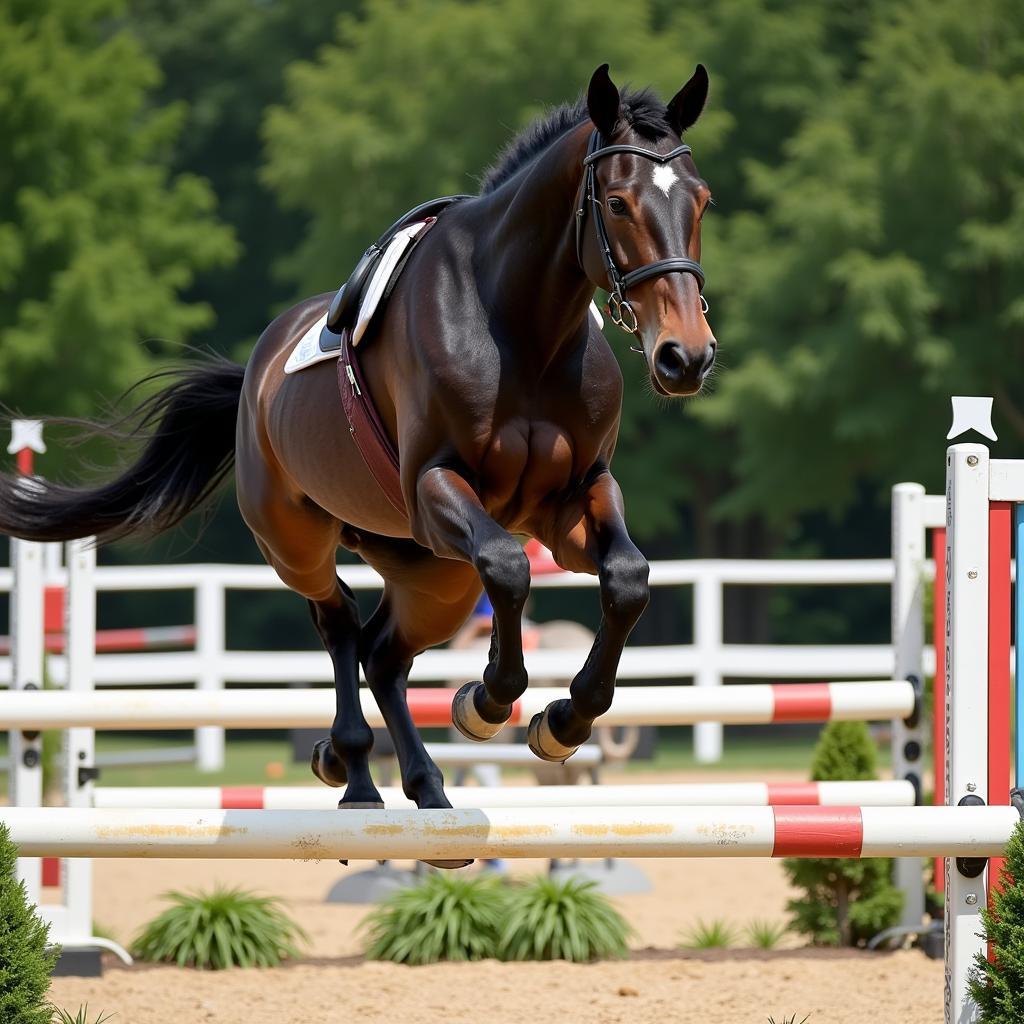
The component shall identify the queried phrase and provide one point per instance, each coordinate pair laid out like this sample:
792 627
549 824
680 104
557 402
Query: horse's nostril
709 357
671 361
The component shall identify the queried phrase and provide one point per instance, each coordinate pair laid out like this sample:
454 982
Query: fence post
966 696
25 781
707 638
79 743
908 554
209 617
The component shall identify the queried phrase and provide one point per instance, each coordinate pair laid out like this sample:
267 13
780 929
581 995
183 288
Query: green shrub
765 934
220 929
82 1017
446 917
547 919
998 987
25 959
845 902
452 917
715 934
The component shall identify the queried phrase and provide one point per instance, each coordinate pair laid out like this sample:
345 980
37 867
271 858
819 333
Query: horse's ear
685 107
603 102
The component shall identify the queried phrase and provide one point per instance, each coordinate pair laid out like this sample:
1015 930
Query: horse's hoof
327 767
468 720
543 744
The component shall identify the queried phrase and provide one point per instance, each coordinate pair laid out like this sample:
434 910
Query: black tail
188 430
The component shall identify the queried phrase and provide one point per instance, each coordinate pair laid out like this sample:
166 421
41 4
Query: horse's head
638 231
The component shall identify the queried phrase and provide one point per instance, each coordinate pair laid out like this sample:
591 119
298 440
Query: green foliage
97 241
881 255
447 917
227 927
716 934
845 902
547 919
25 958
81 1017
998 987
845 753
224 62
765 934
452 917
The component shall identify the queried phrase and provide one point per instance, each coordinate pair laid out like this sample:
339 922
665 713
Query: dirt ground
659 984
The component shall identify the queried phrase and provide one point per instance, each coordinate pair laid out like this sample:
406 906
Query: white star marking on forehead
664 177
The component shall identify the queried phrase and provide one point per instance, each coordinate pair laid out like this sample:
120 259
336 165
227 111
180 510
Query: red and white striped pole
891 793
516 832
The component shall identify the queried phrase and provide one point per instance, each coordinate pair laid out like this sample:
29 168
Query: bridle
621 312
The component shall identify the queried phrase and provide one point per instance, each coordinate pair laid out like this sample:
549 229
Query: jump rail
293 708
725 794
516 832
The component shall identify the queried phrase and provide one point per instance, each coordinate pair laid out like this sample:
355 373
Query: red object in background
939 686
53 610
51 871
542 562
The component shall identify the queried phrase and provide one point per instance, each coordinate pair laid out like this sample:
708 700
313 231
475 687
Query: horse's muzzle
679 370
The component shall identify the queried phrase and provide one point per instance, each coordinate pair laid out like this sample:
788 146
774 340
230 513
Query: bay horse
502 398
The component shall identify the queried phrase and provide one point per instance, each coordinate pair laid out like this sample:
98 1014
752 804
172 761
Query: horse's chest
526 462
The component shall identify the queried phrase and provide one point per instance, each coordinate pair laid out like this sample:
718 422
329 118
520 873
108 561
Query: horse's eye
616 205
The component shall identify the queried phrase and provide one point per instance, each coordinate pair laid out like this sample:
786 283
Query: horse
501 397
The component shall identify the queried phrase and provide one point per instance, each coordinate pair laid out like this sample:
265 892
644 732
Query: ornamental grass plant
227 927
81 1017
548 919
453 917
446 917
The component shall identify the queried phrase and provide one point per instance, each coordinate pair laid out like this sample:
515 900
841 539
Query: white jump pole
286 708
516 832
966 702
896 793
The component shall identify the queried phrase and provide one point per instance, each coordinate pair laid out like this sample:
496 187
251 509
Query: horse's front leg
451 521
594 537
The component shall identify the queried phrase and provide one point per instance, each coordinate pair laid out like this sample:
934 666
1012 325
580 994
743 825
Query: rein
621 312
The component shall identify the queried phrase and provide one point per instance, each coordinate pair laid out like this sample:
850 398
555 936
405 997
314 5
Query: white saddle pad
307 350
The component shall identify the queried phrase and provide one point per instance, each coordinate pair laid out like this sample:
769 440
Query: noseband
621 311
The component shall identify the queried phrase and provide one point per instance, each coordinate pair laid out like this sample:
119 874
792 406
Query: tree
886 269
225 59
97 241
997 985
846 902
25 959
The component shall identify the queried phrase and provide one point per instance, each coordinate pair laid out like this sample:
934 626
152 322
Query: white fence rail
708 661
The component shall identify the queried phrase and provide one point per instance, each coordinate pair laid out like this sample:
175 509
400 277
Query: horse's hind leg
426 599
344 756
300 541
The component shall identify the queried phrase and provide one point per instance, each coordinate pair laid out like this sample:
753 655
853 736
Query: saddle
344 308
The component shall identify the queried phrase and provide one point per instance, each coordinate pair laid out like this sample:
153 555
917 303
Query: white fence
708 661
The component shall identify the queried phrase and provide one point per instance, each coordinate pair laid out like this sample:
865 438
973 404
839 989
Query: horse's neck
531 265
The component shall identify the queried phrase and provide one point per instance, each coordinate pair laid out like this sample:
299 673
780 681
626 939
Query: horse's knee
351 738
625 590
505 571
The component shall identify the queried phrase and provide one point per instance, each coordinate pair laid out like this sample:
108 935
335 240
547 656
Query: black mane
640 109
